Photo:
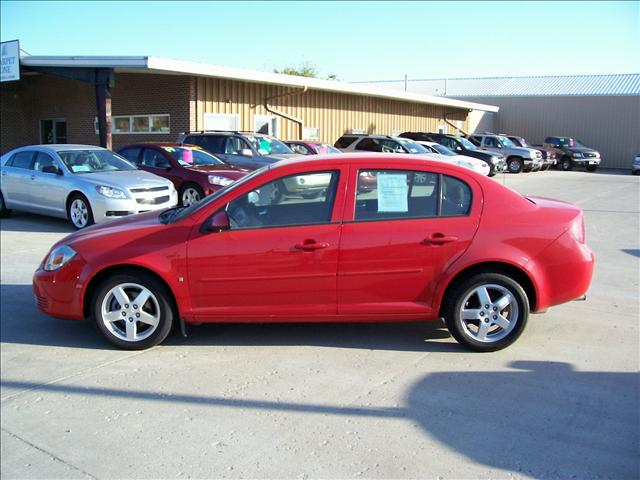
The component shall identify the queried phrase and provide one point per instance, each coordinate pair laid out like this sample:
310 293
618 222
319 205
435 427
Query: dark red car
429 241
194 172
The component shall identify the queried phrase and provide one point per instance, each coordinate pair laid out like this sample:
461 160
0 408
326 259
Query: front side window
369 145
154 159
235 146
405 194
189 157
89 161
304 199
43 160
491 142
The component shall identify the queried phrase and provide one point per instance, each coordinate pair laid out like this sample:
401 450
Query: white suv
518 158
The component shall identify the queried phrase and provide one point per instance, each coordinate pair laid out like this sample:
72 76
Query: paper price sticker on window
392 193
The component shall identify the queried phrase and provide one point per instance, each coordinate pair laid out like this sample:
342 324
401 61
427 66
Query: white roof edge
167 65
89 62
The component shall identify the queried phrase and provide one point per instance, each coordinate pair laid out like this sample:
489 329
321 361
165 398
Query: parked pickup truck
572 153
518 158
549 158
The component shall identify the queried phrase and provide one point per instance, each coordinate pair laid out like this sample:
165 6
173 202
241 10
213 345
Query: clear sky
354 40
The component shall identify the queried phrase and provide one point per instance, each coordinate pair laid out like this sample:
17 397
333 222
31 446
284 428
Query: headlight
222 181
110 192
577 155
58 257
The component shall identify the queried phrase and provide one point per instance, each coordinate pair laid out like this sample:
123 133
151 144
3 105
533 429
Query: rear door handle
311 245
439 239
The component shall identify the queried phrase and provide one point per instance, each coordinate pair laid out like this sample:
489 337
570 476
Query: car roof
57 147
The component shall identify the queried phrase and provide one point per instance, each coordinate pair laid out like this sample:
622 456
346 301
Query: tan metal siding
610 124
333 113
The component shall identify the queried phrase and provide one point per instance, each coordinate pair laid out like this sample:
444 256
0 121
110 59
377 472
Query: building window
221 121
53 131
127 124
266 124
311 133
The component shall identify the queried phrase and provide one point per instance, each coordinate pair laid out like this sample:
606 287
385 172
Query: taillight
577 229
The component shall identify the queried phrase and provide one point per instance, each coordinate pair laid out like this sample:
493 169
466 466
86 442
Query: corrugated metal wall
610 124
333 113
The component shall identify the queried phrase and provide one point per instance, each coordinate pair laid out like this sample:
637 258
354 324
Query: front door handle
33 177
309 245
439 239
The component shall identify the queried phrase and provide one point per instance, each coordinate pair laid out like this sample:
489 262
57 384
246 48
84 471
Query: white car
440 152
84 184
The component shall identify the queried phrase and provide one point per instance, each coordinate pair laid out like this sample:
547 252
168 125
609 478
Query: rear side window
300 149
477 141
344 142
369 145
132 154
405 194
211 143
21 160
456 197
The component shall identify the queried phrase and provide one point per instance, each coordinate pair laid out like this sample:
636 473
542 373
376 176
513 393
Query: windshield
466 143
189 157
441 149
412 146
178 214
521 142
506 142
91 161
268 145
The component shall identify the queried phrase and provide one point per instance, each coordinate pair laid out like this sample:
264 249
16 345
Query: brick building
154 99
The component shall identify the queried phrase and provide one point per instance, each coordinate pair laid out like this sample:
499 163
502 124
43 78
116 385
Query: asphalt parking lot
334 401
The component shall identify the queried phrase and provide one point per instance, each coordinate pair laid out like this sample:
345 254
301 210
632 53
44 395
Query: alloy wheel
79 213
488 313
190 196
130 311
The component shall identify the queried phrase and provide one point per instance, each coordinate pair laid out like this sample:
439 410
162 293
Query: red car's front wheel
133 311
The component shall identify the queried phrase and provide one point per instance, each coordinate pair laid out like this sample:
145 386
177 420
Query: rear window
344 142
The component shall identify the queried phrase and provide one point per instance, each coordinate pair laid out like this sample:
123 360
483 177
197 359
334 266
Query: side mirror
246 152
216 223
52 169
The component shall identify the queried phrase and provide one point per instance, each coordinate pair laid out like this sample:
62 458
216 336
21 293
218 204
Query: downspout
448 122
270 109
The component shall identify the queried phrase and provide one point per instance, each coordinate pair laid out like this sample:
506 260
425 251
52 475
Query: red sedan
194 172
428 241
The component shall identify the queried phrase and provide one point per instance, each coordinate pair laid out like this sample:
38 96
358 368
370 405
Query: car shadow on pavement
402 336
23 323
632 251
27 222
540 419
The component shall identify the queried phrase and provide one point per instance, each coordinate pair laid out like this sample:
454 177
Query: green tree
306 69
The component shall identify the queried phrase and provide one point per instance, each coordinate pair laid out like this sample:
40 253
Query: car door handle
311 245
439 239
33 177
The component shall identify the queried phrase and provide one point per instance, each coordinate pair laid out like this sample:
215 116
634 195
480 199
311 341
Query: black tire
515 164
592 168
76 219
496 285
193 188
566 164
4 211
158 305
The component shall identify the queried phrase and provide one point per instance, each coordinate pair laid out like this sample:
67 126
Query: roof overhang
168 66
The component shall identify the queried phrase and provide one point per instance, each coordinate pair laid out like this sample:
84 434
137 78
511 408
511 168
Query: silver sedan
82 183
